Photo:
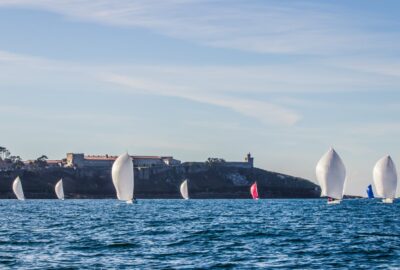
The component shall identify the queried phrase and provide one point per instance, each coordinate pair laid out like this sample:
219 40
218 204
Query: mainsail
122 176
331 175
17 188
254 191
385 178
185 190
370 193
59 189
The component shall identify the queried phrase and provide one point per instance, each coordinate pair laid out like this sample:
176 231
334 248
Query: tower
75 160
249 159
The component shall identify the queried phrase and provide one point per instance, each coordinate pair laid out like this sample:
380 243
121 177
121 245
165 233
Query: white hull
335 202
388 200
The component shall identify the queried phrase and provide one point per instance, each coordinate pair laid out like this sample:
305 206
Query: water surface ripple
202 234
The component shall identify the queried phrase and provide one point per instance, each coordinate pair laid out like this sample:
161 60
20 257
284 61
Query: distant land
156 177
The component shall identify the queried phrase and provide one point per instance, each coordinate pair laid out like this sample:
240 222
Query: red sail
254 191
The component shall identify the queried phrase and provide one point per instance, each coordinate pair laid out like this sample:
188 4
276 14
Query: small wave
122 245
283 233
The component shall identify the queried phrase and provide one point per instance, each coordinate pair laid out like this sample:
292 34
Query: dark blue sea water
205 234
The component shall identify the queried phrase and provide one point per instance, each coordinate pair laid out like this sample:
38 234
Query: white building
81 160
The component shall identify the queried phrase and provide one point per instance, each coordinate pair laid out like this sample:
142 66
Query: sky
284 80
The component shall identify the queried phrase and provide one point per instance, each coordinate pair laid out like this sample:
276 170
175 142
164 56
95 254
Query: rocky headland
206 181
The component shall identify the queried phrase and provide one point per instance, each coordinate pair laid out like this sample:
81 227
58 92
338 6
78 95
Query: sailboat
185 190
254 191
370 193
331 175
59 189
385 179
123 177
17 188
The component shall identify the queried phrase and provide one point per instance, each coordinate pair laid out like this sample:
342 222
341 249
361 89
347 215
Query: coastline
206 181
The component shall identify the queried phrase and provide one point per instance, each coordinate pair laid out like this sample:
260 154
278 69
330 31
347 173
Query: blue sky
284 80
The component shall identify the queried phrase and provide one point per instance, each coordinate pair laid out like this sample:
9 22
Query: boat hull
388 200
335 202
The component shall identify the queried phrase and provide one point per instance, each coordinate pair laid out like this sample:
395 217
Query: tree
41 162
215 160
16 162
4 153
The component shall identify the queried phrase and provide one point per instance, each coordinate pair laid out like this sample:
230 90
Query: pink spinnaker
254 191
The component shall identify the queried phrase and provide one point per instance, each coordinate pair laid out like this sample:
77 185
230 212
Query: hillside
205 181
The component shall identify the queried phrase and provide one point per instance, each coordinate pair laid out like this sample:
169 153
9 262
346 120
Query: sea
199 234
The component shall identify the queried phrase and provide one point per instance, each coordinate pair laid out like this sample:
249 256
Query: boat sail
385 179
17 188
59 189
185 190
331 175
254 191
370 192
123 177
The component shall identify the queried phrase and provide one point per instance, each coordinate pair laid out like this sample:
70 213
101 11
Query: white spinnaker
331 175
122 176
185 190
385 178
59 189
17 188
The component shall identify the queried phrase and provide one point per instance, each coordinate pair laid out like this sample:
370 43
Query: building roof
106 157
55 161
111 158
150 157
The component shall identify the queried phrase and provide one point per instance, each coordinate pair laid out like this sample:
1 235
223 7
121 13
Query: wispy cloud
388 67
248 90
272 27
14 58
328 70
145 83
263 111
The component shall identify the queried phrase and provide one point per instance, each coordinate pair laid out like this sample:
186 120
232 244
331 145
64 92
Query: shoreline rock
206 181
